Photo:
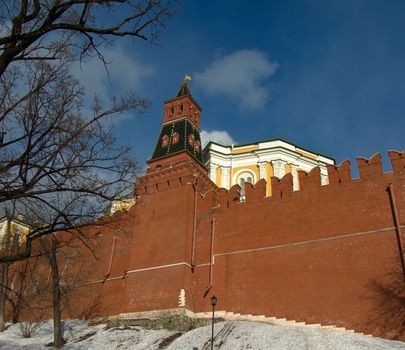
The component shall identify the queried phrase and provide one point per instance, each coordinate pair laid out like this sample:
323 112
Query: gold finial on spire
186 78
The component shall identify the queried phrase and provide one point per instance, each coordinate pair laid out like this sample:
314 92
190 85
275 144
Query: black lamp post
213 303
2 133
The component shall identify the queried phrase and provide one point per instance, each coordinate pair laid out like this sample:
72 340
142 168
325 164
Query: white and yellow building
237 164
13 230
121 204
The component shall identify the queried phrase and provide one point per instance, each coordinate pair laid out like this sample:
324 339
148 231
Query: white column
263 170
294 173
278 168
213 172
324 176
225 177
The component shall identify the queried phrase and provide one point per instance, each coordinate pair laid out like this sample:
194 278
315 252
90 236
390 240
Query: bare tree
79 24
15 297
48 280
59 165
60 253
50 250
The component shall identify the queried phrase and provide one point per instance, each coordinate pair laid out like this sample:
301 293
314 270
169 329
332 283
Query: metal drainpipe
111 259
194 228
212 252
397 226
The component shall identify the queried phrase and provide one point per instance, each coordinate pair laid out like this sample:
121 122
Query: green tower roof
184 90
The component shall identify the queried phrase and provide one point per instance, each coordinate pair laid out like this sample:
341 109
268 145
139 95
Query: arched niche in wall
243 176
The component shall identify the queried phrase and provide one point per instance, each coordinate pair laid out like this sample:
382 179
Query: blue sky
328 76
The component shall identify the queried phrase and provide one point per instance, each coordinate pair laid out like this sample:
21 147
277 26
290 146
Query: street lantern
213 303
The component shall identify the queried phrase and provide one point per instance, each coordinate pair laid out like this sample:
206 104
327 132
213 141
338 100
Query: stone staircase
186 317
230 316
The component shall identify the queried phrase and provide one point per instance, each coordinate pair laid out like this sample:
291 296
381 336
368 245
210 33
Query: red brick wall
323 254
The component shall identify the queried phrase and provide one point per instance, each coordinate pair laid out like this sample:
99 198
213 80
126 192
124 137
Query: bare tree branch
35 20
60 166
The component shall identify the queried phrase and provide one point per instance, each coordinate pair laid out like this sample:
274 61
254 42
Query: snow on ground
236 335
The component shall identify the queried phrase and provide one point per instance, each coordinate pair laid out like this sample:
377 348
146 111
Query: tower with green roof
179 139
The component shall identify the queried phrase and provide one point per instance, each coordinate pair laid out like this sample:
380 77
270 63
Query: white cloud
125 73
240 75
221 137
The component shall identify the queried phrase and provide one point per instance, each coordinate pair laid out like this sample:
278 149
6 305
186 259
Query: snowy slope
228 336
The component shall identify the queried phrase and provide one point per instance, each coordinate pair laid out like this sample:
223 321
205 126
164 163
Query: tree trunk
57 324
16 304
3 291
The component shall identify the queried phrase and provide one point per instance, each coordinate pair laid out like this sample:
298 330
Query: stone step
313 325
221 314
228 315
331 327
284 322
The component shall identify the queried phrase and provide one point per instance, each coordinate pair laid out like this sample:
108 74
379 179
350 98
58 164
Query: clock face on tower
191 139
165 141
177 136
197 146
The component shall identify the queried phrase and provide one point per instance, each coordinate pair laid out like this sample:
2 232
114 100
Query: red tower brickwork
324 254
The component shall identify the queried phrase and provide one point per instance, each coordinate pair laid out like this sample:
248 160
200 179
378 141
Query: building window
242 192
242 179
245 177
